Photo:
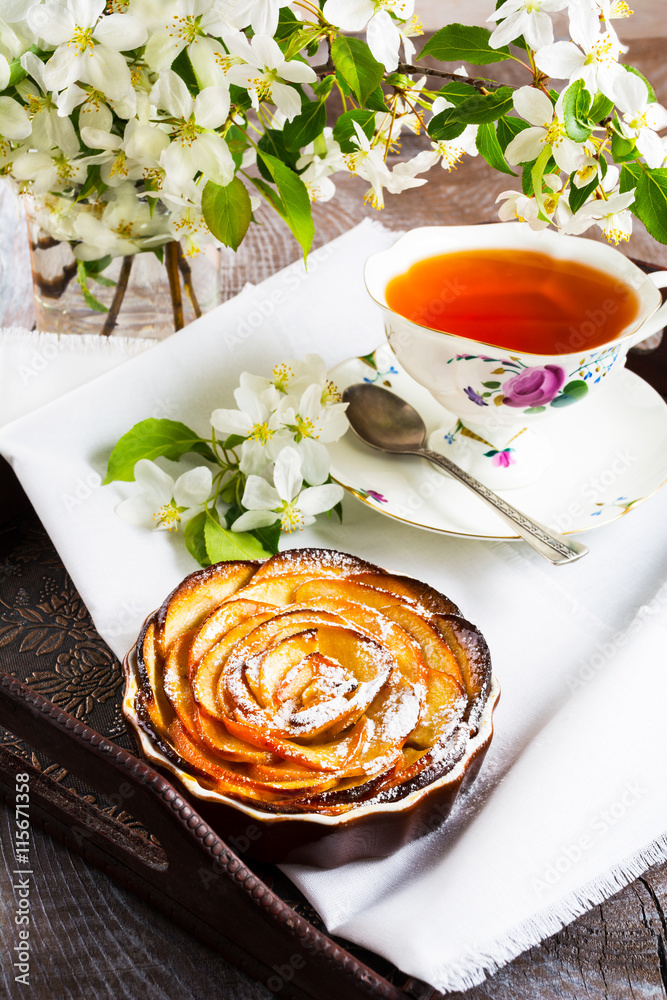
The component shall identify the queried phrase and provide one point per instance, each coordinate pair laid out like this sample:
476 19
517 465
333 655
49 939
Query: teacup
498 422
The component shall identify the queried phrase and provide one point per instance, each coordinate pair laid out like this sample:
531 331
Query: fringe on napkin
472 969
79 343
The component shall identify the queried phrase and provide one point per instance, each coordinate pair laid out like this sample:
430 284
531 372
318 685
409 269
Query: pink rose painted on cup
534 386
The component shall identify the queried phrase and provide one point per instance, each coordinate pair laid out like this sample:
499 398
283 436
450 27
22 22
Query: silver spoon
385 421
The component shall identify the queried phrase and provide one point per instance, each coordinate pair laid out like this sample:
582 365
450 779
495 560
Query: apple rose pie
311 683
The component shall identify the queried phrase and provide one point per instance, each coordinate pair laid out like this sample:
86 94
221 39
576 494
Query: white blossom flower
312 423
126 226
382 31
525 209
14 121
263 71
255 422
88 44
260 15
368 161
641 117
49 171
594 59
49 129
529 18
165 503
317 161
187 25
548 129
451 151
610 213
195 145
285 502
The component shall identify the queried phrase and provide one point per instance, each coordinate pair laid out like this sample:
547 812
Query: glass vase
148 298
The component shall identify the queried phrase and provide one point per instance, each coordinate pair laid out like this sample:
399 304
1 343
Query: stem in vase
172 265
119 295
186 271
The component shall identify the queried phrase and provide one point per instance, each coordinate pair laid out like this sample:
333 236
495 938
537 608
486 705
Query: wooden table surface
93 939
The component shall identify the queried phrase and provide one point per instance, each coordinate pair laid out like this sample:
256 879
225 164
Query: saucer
609 454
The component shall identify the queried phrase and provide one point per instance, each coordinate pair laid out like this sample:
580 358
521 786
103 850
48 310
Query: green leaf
195 541
622 149
649 87
88 296
269 536
183 67
630 176
151 439
293 204
344 132
578 196
491 385
601 108
324 86
301 39
376 100
535 409
355 63
273 143
650 204
233 441
223 545
488 145
306 126
576 109
227 211
288 23
456 92
16 73
477 110
93 182
536 175
509 126
463 43
441 127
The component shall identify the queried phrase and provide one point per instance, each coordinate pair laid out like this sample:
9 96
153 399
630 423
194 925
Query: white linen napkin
570 804
38 367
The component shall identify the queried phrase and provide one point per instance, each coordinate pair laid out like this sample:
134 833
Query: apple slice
205 684
346 590
444 707
314 562
437 654
472 655
276 590
193 599
405 586
217 738
149 677
218 623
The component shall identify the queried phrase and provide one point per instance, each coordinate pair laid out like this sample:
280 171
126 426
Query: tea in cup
507 327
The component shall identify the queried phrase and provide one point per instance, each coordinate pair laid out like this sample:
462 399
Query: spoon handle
554 547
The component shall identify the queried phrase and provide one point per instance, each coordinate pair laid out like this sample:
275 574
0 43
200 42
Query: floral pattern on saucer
531 388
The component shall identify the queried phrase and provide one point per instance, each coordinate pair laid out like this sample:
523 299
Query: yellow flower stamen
119 168
305 427
169 515
261 433
291 518
82 39
186 131
330 394
282 375
186 28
